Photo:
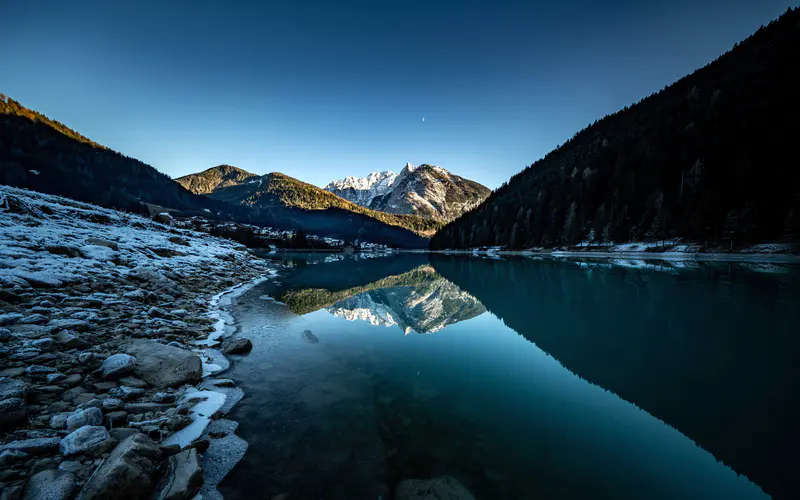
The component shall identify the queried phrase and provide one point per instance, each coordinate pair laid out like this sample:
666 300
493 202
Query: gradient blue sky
321 91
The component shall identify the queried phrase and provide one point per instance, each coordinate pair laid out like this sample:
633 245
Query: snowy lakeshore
775 253
114 341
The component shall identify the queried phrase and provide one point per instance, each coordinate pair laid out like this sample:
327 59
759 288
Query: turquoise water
523 378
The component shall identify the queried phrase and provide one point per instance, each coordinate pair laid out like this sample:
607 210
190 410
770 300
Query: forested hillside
44 155
212 179
276 190
711 158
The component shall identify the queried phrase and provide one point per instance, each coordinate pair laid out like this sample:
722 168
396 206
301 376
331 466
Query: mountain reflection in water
660 378
418 301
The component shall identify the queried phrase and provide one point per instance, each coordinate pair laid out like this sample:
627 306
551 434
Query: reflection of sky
530 397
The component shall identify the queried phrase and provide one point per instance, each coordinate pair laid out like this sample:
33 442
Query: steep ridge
710 158
276 190
427 190
44 155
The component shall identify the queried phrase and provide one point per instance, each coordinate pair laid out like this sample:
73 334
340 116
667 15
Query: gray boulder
34 319
79 325
88 359
65 250
9 318
237 346
183 479
11 388
117 365
8 457
103 243
112 404
51 484
438 488
34 446
67 339
164 366
58 421
89 416
83 440
155 281
127 474
39 371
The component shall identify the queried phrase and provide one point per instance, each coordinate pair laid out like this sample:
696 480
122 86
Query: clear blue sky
340 88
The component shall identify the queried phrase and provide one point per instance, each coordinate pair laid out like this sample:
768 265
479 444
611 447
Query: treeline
711 158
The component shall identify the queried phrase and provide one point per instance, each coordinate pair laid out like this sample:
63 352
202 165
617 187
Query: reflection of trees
712 352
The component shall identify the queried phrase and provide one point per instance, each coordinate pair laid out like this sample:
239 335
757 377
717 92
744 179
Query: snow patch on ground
48 240
223 322
206 404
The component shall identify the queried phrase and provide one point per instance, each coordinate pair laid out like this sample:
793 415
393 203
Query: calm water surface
524 378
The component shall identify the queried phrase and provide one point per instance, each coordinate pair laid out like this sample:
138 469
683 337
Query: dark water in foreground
523 378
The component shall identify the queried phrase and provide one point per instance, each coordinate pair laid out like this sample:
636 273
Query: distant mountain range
276 190
427 190
710 158
44 155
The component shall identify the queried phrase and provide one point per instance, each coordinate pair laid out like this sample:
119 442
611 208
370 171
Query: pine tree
569 221
514 241
732 226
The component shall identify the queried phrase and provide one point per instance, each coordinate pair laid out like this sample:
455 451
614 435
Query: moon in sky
423 118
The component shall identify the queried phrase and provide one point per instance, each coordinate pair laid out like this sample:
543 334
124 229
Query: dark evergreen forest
711 158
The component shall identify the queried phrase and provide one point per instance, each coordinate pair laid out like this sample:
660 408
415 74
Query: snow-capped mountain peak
426 190
362 190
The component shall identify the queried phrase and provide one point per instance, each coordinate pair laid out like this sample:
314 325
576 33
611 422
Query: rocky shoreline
112 347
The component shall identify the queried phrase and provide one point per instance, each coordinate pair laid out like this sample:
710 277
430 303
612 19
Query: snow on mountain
426 190
424 308
364 308
362 190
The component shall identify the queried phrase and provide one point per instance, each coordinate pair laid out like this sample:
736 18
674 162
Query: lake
524 378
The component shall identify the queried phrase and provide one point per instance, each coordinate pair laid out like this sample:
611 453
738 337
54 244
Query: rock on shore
164 366
100 312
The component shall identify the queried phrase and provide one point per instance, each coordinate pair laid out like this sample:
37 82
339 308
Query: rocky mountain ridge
362 190
277 191
426 190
